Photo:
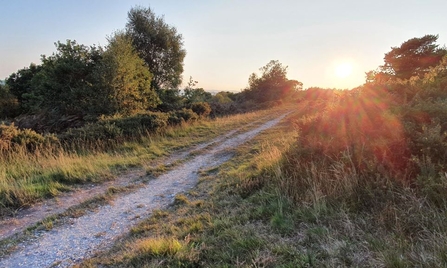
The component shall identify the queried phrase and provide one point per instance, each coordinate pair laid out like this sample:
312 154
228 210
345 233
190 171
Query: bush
203 109
174 119
187 115
92 133
218 109
141 123
117 129
51 122
9 105
11 136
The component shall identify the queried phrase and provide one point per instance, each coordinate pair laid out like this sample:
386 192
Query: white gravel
66 245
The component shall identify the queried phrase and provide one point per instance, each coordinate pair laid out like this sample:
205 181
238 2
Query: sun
343 70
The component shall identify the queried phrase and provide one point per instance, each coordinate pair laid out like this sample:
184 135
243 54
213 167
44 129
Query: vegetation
273 84
413 58
9 106
36 166
350 178
124 81
159 45
88 104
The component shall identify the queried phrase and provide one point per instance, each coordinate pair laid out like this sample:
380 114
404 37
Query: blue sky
228 40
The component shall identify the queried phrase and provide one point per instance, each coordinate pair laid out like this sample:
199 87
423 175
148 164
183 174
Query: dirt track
65 245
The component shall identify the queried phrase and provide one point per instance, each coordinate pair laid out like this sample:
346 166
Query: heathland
347 178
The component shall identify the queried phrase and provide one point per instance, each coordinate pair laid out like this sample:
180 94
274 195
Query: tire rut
68 244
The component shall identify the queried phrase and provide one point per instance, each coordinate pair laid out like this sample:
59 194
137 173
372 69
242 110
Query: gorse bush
141 123
117 129
92 133
12 137
186 114
203 109
114 130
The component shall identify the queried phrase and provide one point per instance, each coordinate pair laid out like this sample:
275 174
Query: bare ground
80 237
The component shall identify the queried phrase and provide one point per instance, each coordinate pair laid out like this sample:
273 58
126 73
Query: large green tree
413 58
64 84
159 45
19 83
124 80
272 85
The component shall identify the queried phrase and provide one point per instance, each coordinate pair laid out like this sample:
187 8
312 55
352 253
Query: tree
272 85
171 100
223 97
9 106
19 83
159 45
413 58
193 94
64 85
124 80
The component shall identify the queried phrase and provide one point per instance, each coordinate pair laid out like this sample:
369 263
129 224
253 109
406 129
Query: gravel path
11 225
66 245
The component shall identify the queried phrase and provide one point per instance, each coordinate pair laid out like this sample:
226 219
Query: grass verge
214 224
278 205
26 178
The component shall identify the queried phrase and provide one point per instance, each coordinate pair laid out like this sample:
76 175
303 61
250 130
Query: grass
26 178
302 194
215 225
276 204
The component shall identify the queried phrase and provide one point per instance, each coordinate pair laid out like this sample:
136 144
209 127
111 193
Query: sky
328 44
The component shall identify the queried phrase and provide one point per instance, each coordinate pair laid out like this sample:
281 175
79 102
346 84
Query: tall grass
27 176
355 164
215 224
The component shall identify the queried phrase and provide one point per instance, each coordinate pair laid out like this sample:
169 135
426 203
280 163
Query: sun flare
343 70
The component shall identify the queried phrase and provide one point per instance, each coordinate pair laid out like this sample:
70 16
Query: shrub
174 119
9 105
203 109
11 136
187 114
7 133
117 129
92 133
141 123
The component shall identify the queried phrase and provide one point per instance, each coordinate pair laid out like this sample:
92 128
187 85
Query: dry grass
280 205
27 177
215 225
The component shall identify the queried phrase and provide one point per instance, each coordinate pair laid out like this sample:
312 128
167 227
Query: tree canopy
65 82
19 83
272 85
159 45
124 80
413 57
9 106
80 80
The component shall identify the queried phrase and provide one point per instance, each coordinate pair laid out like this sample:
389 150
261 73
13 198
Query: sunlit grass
213 222
158 246
27 177
282 203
